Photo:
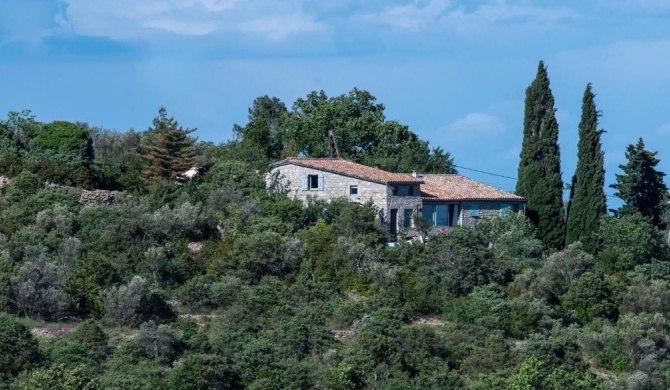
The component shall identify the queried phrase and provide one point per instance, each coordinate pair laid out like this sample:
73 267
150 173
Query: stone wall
86 197
486 208
335 185
402 202
97 197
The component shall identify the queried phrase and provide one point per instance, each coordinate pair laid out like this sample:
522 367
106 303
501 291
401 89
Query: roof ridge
350 168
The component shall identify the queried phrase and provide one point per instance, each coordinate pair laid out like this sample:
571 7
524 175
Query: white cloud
412 16
472 127
143 19
281 27
418 15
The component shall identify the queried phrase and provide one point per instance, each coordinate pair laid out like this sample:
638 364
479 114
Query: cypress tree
539 175
641 186
170 151
587 195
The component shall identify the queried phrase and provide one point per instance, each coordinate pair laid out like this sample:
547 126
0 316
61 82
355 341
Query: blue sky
454 71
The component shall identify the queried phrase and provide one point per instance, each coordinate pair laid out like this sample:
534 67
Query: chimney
415 174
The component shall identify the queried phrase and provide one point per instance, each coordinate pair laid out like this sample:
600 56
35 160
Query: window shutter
320 182
304 183
474 210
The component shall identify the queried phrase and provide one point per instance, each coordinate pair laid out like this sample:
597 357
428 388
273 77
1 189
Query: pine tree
587 195
539 175
170 151
641 186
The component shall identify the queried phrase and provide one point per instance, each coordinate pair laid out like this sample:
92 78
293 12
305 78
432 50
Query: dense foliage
351 126
214 283
540 179
170 151
641 185
587 194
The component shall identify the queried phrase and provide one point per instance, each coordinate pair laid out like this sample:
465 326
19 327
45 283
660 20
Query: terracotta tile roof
457 187
352 169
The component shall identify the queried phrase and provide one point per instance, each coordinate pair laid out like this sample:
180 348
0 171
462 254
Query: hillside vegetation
215 283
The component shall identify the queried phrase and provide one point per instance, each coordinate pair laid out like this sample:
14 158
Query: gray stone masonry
336 185
486 209
401 202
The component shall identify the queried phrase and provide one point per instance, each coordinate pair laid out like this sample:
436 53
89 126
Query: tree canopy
169 151
587 194
215 282
641 185
351 126
539 175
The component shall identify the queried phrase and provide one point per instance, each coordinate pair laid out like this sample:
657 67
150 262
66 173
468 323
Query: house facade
446 200
455 200
397 196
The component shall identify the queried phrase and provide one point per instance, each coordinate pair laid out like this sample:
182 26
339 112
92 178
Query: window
441 215
312 183
394 190
407 218
353 190
505 208
410 190
515 208
427 210
438 214
474 210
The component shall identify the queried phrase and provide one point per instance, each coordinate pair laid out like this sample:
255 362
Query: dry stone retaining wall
97 197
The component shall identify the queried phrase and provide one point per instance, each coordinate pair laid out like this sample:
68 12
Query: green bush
18 348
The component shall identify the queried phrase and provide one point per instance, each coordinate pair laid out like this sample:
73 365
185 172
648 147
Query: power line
487 173
512 178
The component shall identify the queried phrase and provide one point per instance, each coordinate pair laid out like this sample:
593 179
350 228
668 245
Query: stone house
447 200
396 195
455 200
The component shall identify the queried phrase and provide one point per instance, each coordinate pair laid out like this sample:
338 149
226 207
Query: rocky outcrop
194 247
98 197
4 182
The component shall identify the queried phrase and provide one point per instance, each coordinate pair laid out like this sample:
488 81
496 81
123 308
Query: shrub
628 241
58 377
18 348
135 303
37 289
159 341
199 371
459 261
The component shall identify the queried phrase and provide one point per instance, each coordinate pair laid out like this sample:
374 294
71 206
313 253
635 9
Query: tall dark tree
641 186
169 149
540 179
263 131
587 195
